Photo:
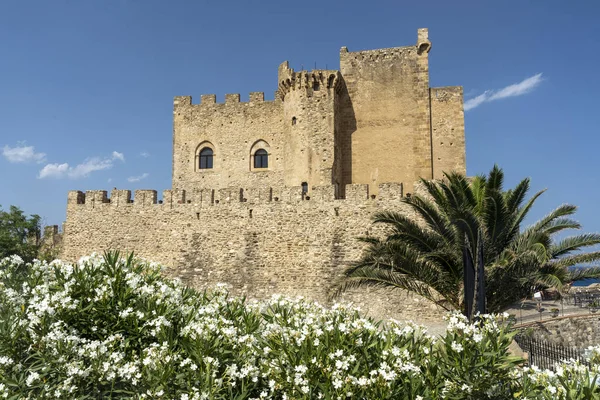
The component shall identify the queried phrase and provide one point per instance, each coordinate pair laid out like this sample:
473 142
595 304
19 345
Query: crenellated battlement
316 79
447 93
423 46
392 52
355 193
230 99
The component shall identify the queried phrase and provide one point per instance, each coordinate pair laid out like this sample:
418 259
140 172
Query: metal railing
545 355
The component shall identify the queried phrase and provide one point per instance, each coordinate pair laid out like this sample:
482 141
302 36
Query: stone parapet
355 193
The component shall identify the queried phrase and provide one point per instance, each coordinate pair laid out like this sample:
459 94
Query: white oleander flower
457 347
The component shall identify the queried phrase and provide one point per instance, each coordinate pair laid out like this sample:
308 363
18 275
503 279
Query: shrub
108 327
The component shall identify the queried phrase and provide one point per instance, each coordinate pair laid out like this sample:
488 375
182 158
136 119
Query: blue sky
86 87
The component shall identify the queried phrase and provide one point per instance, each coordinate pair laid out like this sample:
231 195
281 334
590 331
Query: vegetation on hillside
426 256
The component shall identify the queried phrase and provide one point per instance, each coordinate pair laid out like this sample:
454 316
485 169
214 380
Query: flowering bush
111 327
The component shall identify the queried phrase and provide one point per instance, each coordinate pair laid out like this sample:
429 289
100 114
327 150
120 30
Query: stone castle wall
580 331
335 140
273 242
233 130
374 121
447 130
388 92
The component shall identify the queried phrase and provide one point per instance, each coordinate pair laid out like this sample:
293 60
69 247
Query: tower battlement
358 193
314 80
230 98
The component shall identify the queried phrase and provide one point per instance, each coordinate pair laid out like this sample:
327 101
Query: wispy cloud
516 89
118 156
54 171
144 154
138 178
22 154
89 165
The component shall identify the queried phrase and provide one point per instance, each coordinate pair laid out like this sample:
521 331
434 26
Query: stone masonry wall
284 245
347 134
580 332
308 107
388 92
447 130
233 130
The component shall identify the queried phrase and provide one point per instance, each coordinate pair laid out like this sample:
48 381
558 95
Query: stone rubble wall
270 242
339 134
580 332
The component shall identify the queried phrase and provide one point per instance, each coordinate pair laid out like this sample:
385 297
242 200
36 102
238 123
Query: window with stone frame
206 158
261 159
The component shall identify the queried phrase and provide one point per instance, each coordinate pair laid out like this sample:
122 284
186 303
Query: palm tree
424 254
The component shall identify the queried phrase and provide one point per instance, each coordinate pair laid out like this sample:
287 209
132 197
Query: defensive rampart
261 241
291 182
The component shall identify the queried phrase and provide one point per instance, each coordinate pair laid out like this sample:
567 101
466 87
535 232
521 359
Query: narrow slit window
330 81
206 158
261 159
304 188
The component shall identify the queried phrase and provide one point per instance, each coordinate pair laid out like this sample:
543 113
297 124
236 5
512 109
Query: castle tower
308 113
386 117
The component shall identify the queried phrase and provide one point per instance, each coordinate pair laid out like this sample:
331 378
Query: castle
270 196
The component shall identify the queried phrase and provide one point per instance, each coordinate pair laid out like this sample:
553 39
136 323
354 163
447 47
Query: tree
19 234
424 254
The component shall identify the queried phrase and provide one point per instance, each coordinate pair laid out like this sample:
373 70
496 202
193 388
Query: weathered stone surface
579 332
341 145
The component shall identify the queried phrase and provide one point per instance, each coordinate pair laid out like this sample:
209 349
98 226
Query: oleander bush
112 327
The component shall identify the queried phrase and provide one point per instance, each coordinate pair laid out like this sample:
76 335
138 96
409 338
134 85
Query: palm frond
468 224
434 191
433 218
495 179
376 277
577 259
560 212
408 230
478 185
549 281
496 218
574 243
523 211
369 240
560 224
516 196
584 273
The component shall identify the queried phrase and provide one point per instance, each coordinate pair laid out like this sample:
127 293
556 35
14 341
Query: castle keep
269 196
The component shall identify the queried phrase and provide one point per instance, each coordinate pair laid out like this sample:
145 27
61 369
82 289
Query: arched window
259 156
206 158
261 159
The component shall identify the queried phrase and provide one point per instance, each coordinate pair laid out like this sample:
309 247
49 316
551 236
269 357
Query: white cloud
516 89
138 178
118 156
88 166
475 101
144 154
22 154
53 171
82 170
